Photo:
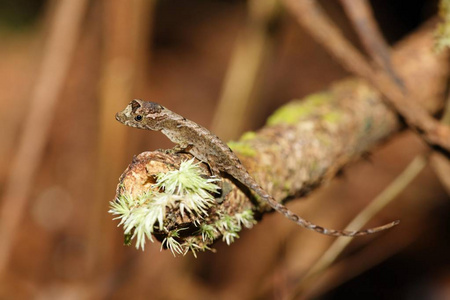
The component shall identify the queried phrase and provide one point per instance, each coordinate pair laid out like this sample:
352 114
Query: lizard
208 148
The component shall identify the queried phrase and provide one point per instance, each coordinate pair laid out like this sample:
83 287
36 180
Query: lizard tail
306 224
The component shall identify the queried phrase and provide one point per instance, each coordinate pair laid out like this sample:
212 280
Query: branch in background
312 18
350 267
252 49
361 15
60 45
440 164
125 37
384 198
442 33
305 285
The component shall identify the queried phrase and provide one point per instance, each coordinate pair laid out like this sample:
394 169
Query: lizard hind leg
311 226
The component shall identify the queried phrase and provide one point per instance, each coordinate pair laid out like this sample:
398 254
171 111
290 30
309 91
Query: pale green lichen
140 214
229 226
248 136
188 183
143 219
192 246
208 232
442 33
229 237
242 148
294 111
171 243
245 218
332 117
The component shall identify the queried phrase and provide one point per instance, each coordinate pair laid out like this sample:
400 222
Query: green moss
332 117
317 99
247 136
287 186
242 148
294 111
442 32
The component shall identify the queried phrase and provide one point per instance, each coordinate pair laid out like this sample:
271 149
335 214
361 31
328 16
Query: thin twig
446 115
314 20
242 80
366 259
59 49
361 15
439 163
125 37
383 199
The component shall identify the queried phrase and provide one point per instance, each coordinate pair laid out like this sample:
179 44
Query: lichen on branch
442 33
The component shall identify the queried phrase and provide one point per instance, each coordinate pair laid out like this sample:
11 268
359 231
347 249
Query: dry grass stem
361 15
383 199
125 37
360 262
242 81
440 164
59 48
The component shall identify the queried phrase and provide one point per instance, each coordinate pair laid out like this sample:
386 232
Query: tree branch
305 142
389 193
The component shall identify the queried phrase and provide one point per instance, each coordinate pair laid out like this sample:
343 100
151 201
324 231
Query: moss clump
442 33
332 117
184 189
181 192
294 111
248 136
242 148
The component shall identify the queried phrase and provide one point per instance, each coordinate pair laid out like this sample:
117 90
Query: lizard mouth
122 118
119 117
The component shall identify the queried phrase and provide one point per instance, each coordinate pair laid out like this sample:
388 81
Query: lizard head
142 114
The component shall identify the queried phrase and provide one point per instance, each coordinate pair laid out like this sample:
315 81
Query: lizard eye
138 118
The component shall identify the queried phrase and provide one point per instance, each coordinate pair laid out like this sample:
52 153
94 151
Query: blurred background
66 68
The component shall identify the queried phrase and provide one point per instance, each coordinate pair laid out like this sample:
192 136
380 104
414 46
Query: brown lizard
208 148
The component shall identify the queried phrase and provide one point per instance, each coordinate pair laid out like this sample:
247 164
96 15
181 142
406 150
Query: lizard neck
174 128
185 132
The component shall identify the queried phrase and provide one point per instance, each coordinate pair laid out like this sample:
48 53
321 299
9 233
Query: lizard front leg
178 148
